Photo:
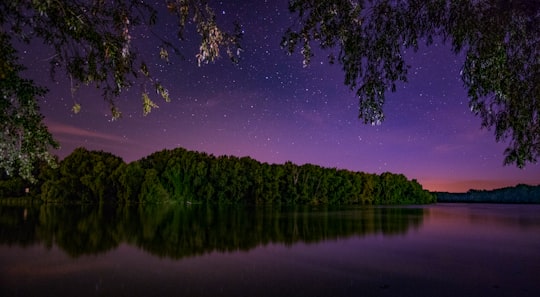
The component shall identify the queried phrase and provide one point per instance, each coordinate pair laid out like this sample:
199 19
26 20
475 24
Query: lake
197 250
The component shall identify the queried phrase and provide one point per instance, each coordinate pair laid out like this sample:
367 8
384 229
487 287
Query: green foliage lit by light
148 104
83 177
186 177
24 138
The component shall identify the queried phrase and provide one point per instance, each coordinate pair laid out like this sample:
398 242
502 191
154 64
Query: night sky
269 107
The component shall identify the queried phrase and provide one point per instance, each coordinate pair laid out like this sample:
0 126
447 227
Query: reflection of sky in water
477 250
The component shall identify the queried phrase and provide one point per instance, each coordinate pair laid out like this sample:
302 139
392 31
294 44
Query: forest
188 177
518 194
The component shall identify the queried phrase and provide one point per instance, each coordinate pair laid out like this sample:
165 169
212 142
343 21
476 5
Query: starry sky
270 108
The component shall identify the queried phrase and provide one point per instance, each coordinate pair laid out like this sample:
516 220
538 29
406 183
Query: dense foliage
517 194
186 177
83 176
24 139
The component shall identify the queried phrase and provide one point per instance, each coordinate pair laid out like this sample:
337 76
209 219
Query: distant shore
518 194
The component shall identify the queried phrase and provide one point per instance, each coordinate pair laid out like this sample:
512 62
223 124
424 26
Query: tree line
518 194
186 177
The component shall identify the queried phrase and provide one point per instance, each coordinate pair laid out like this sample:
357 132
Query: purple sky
272 109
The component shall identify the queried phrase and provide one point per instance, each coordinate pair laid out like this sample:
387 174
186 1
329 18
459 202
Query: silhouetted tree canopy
91 43
518 194
500 40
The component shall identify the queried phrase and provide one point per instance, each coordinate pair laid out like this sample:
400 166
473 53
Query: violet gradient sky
272 109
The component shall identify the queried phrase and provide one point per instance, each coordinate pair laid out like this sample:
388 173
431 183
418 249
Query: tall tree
24 139
84 176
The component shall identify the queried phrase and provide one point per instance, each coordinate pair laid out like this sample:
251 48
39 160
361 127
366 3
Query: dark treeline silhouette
181 231
518 194
185 177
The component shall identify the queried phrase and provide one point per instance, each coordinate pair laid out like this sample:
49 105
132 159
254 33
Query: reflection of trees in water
87 229
18 225
176 232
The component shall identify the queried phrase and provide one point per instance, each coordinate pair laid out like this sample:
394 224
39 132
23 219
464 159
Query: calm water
437 250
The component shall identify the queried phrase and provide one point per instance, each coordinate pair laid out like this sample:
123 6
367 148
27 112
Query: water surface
435 250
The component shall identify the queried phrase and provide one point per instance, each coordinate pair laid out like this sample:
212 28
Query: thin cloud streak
72 131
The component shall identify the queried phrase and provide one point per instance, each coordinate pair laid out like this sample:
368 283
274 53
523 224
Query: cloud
312 117
59 129
446 148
